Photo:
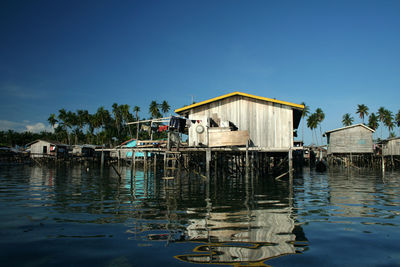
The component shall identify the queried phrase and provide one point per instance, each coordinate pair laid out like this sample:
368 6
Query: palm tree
304 114
381 115
136 109
101 114
52 120
397 119
373 121
165 107
320 117
90 127
347 119
125 117
117 117
82 118
312 123
363 111
63 121
153 110
72 121
388 120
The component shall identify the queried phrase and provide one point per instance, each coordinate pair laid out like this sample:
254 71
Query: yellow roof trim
239 94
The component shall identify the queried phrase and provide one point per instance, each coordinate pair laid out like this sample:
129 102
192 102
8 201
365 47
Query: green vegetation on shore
103 127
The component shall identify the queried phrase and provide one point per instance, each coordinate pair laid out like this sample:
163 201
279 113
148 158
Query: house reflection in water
247 237
249 229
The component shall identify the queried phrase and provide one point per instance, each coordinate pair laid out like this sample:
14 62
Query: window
362 142
44 149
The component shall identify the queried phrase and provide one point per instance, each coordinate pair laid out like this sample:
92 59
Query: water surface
73 216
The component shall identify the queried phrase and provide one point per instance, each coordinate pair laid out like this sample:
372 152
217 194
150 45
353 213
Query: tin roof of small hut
48 141
297 106
351 126
384 141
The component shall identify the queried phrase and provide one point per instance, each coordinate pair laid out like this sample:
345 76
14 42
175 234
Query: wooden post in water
215 166
119 159
165 164
208 161
151 130
137 133
155 165
290 158
102 157
145 160
247 158
169 141
132 164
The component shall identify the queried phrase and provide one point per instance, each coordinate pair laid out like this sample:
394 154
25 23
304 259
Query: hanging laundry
163 128
181 125
145 128
174 122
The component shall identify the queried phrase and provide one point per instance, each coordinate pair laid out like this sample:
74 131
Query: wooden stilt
290 158
208 161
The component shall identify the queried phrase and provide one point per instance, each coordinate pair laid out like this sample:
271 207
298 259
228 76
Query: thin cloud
24 126
12 125
18 91
38 127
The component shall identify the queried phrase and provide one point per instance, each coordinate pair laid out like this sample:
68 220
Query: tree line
103 127
383 117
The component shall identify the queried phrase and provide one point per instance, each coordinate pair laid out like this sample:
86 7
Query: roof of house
389 139
351 126
51 142
128 141
297 106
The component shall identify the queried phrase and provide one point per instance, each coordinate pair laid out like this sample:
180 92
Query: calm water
74 216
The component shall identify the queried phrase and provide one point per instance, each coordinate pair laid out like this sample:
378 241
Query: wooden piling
208 161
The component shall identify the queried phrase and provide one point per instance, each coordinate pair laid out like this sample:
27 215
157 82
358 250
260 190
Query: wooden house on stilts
260 124
390 149
350 144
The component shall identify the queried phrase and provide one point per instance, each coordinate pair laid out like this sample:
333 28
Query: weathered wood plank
228 138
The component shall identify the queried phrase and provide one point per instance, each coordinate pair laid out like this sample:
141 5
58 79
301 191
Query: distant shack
391 146
236 118
47 149
353 139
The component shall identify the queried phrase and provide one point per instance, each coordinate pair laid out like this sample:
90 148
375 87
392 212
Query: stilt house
41 148
391 147
354 139
237 118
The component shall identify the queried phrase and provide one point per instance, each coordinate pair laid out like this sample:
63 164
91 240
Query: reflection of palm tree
304 114
347 119
363 111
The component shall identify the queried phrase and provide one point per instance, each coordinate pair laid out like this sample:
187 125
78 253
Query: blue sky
85 54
